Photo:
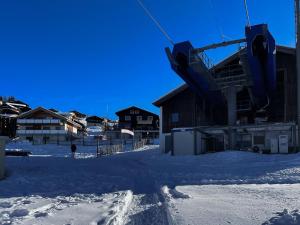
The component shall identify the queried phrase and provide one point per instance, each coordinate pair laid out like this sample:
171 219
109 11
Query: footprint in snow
40 214
111 212
5 205
64 201
19 213
26 202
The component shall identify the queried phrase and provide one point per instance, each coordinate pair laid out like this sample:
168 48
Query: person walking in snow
73 150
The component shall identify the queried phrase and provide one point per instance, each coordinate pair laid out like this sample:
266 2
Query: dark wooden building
182 107
134 118
95 121
10 109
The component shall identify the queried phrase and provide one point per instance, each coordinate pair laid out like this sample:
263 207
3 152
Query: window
127 118
259 140
29 138
175 117
139 118
134 112
150 117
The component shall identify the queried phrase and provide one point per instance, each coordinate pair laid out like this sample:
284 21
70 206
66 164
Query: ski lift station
248 101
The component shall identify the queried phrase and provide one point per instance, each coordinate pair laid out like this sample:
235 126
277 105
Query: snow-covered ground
146 187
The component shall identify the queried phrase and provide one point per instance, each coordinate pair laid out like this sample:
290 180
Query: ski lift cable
219 27
247 13
155 22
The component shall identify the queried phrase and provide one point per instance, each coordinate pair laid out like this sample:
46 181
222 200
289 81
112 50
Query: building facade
10 109
183 108
134 118
41 125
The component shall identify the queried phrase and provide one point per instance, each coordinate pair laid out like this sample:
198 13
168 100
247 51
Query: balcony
142 122
24 132
38 121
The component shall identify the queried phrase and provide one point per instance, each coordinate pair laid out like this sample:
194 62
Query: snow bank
173 193
236 204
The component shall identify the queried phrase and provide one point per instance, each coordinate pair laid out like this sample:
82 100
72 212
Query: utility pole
297 26
297 23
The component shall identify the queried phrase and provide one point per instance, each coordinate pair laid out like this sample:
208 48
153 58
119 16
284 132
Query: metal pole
232 116
297 22
3 140
97 146
218 45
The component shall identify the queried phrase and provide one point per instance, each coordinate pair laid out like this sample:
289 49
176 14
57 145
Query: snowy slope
145 187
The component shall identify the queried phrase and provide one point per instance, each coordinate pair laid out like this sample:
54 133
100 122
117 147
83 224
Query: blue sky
99 56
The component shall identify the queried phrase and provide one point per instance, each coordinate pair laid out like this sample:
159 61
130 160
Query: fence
85 141
102 147
114 148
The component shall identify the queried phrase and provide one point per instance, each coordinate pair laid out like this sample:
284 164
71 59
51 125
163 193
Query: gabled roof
12 100
54 110
78 114
12 108
93 118
54 114
170 95
134 107
183 87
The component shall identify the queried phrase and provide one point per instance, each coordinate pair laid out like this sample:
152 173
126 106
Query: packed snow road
146 187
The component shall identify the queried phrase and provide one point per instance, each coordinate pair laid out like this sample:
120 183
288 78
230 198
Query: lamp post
2 156
297 23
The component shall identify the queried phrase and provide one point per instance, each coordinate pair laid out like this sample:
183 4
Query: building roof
134 107
54 110
12 100
78 114
94 118
183 87
9 107
170 95
24 115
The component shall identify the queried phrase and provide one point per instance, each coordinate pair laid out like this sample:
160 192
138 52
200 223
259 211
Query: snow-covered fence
136 143
139 144
121 147
109 149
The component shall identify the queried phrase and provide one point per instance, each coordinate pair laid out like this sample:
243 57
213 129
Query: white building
41 125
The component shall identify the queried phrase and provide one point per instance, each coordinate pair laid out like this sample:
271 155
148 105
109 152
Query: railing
42 132
38 121
121 147
238 80
196 58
